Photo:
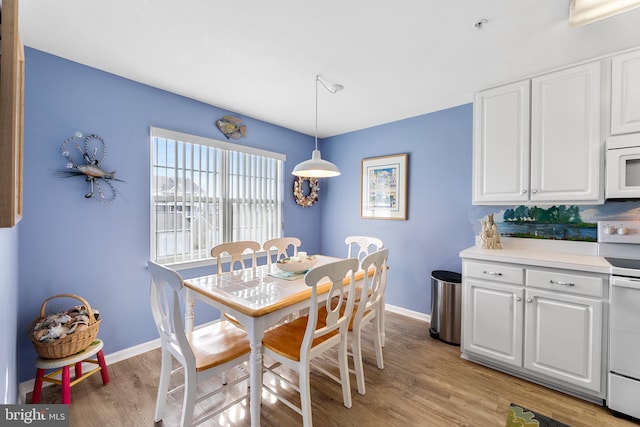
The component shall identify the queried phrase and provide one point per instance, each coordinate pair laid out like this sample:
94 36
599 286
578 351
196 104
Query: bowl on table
296 264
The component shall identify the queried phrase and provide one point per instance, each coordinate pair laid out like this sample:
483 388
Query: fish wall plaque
232 127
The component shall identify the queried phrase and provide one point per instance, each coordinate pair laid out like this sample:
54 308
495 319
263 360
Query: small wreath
298 193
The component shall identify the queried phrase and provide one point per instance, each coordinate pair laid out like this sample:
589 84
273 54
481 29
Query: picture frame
383 187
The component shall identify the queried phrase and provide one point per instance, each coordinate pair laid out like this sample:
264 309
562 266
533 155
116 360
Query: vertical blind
205 192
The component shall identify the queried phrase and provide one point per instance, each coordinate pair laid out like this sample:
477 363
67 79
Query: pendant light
316 167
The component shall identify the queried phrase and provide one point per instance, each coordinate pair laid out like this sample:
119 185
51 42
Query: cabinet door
493 317
625 93
501 144
563 337
566 144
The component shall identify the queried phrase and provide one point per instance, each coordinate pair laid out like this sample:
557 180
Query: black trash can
446 289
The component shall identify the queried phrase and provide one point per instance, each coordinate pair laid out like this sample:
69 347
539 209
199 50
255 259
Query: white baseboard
409 313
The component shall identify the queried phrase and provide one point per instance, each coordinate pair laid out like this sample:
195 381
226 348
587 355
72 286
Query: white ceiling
396 58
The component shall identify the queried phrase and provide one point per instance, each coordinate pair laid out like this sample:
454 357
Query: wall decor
557 222
85 155
232 127
489 238
383 190
298 191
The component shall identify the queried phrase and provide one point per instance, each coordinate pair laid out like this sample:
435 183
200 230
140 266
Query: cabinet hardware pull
518 299
492 273
529 300
534 191
556 282
523 191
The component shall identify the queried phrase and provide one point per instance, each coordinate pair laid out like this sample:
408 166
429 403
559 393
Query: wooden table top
255 292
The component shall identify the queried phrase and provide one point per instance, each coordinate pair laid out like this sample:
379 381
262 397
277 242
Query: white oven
619 243
624 327
623 167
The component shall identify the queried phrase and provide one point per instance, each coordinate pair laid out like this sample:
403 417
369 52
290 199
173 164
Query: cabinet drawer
566 282
494 272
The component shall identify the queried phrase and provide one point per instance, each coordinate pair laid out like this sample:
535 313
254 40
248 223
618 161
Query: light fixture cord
317 79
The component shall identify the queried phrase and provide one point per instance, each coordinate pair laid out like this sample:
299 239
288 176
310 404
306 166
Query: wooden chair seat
322 316
217 344
287 338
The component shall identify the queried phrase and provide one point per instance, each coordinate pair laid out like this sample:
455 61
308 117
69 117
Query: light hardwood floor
424 383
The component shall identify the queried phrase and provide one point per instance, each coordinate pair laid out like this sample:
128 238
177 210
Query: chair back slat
236 251
166 284
281 244
362 244
338 310
374 286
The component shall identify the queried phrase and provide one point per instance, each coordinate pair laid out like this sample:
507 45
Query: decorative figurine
489 237
232 127
84 156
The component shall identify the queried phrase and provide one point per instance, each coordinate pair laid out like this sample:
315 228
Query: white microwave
623 167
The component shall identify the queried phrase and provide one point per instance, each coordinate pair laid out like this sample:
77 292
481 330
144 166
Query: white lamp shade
316 167
583 12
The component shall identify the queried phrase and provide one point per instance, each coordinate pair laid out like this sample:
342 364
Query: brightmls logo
34 415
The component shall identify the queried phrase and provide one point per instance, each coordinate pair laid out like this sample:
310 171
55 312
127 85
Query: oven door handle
626 282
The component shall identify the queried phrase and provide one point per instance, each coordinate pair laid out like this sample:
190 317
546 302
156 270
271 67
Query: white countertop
581 256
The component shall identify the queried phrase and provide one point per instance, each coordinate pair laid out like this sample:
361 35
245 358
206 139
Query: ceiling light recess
583 12
316 167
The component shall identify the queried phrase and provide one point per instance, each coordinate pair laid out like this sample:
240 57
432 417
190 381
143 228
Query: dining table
258 297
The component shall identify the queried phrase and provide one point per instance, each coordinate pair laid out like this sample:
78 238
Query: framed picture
383 187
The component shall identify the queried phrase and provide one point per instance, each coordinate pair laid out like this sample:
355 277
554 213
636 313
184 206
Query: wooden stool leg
66 386
78 369
103 368
37 386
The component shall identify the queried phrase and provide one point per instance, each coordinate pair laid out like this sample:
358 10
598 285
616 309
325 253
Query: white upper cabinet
566 142
539 140
625 93
501 144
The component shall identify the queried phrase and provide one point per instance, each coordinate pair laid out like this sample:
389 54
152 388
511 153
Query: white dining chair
361 246
369 310
281 246
236 251
207 351
295 344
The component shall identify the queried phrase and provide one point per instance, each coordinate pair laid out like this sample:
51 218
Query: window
205 192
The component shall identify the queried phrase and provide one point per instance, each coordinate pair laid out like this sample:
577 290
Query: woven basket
72 343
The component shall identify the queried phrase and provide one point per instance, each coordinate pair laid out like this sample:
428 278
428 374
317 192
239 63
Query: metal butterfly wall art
85 155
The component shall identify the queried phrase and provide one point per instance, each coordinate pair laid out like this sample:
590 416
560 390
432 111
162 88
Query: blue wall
69 244
439 196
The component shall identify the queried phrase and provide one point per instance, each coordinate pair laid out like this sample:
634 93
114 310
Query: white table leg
255 331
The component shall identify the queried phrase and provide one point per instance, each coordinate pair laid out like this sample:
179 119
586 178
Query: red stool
63 365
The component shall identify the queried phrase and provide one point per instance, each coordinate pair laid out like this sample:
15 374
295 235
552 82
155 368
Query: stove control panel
619 232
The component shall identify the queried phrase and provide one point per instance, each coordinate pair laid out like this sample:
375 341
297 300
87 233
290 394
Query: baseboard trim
409 313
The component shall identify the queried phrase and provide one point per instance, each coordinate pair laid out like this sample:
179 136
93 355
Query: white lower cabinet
563 337
543 324
493 320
